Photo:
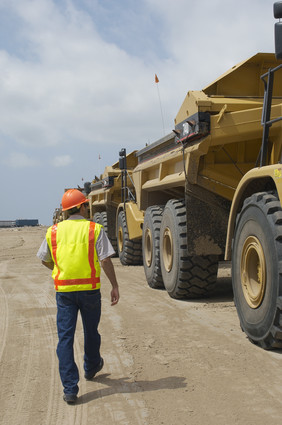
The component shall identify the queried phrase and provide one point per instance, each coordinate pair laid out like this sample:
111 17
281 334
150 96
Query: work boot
70 398
89 375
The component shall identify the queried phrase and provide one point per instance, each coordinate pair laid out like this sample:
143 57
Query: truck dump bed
219 129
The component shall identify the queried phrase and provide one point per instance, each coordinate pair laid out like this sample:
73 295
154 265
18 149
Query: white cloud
62 161
74 85
77 86
77 76
21 160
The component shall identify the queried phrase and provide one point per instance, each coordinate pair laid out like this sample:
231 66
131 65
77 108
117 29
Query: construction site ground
167 362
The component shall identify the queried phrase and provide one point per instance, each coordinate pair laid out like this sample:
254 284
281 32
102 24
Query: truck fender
256 180
134 219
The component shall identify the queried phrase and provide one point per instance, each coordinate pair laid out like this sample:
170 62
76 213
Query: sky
77 83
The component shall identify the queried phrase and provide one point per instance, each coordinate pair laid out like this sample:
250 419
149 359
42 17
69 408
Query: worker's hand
49 265
114 296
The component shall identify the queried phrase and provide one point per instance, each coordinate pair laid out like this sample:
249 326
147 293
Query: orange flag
156 78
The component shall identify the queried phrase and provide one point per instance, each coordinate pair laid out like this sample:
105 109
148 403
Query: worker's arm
109 270
49 264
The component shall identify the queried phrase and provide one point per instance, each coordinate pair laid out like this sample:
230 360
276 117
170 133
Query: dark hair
75 210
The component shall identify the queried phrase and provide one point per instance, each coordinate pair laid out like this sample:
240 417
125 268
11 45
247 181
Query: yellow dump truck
57 215
115 187
212 191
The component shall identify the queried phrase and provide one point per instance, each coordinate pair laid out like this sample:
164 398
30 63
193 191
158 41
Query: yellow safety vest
72 245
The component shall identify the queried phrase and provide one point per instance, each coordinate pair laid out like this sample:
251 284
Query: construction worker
74 249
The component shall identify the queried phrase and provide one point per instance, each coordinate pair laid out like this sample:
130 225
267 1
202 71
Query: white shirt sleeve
44 253
104 247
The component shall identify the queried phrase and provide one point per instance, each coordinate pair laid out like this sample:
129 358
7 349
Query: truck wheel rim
167 249
148 249
120 239
253 272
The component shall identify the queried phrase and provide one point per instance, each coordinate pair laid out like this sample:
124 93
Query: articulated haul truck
105 197
211 191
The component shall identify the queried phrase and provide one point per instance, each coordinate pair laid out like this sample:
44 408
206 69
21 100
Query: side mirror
277 11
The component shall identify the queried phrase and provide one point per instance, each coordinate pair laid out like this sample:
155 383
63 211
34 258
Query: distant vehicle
104 199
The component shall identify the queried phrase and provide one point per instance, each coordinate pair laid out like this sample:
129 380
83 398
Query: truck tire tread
152 221
131 253
197 275
269 204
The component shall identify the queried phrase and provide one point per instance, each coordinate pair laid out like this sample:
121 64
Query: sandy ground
166 361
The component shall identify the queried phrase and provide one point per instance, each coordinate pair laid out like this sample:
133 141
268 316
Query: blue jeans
68 305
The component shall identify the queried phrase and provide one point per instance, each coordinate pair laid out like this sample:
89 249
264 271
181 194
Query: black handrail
266 122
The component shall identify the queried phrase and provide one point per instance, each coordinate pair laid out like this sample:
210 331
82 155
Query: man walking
74 249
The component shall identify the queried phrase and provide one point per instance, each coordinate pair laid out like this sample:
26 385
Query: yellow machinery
212 190
112 189
57 215
209 191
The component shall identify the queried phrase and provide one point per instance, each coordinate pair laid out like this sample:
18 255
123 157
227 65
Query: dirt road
167 362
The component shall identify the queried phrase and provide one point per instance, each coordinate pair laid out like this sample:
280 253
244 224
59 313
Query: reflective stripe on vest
72 279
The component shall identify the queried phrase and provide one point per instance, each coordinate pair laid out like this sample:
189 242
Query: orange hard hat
72 198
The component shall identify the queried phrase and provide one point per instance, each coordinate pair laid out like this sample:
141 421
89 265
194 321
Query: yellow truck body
211 191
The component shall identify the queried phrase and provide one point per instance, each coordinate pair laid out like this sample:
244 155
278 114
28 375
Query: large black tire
104 222
97 218
151 246
257 268
129 250
183 276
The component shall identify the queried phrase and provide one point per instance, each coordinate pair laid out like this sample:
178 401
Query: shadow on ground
128 386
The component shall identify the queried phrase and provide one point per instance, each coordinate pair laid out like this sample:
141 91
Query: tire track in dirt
115 395
35 391
58 412
20 412
4 309
36 361
4 320
52 413
22 372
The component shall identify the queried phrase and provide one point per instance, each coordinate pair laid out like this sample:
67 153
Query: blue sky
77 81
